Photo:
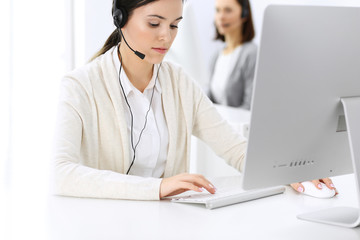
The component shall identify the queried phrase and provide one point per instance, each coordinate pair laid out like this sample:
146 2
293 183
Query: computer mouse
311 190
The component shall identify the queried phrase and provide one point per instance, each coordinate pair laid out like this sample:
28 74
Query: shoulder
174 77
81 73
214 57
85 75
76 87
171 67
250 48
217 53
248 55
176 73
90 69
173 71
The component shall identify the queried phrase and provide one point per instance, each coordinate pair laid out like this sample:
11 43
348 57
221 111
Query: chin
155 59
222 31
227 30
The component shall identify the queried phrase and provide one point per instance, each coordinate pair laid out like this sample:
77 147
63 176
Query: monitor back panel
309 58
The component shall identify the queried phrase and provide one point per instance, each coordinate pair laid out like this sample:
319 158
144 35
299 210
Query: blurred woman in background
233 67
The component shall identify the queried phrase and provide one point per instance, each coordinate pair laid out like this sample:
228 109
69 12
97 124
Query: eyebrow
161 17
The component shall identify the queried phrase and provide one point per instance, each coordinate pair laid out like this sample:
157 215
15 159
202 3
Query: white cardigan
92 149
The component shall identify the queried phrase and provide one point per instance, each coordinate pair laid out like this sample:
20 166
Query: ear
120 17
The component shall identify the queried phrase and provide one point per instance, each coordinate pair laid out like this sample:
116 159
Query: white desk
269 218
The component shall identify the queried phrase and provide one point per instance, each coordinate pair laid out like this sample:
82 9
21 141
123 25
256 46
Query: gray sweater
240 83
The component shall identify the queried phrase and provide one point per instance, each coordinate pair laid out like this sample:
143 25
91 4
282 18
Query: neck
233 40
137 70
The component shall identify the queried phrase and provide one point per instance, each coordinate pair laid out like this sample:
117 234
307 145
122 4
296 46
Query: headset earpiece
120 16
245 9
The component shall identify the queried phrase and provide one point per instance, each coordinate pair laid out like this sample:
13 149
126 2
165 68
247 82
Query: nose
165 34
220 16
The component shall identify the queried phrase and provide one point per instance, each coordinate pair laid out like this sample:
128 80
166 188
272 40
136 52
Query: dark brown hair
248 31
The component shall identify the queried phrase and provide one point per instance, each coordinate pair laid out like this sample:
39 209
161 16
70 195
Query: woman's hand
184 182
327 181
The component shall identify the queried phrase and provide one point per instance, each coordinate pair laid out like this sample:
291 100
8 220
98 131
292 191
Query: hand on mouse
185 182
327 181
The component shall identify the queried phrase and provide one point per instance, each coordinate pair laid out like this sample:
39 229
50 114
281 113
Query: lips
225 25
160 50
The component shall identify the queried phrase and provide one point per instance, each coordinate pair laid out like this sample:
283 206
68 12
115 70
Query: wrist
161 195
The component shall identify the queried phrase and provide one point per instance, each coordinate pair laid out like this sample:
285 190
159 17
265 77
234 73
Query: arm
210 127
76 172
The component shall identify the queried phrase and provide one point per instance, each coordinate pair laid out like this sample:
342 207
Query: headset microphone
137 53
120 17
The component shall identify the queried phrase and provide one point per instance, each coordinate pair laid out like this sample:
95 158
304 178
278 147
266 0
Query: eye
154 24
228 10
173 26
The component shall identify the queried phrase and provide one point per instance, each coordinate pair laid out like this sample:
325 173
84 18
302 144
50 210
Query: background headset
245 9
120 17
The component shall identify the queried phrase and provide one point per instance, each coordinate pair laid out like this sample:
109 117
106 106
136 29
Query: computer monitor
308 69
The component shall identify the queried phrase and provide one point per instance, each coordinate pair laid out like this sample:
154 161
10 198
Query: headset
120 17
245 9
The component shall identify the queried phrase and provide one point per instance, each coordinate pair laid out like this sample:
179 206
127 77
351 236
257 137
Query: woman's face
152 28
228 16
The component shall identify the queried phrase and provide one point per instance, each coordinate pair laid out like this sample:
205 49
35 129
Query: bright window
34 48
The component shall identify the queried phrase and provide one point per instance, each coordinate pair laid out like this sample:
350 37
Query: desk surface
268 218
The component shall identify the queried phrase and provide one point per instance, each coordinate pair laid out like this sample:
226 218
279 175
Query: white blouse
151 152
223 68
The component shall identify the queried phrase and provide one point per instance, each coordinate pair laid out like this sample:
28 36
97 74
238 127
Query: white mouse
311 190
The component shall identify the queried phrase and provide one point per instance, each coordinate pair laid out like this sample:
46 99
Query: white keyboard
227 197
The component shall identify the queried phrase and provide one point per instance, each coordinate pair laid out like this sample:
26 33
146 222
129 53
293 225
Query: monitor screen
308 60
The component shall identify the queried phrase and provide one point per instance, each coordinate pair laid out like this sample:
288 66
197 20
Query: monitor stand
345 216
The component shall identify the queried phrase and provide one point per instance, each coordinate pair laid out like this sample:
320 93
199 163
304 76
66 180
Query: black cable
131 114
125 42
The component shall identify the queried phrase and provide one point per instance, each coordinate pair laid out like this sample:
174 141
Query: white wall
5 90
92 26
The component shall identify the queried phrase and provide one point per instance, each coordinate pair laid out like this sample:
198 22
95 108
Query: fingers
184 182
189 186
317 184
329 184
199 181
327 181
298 187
